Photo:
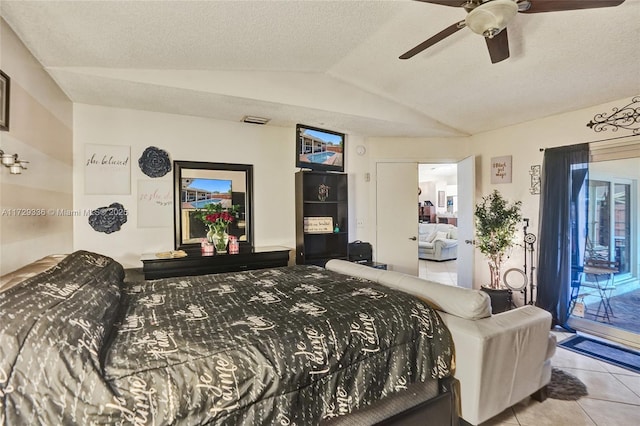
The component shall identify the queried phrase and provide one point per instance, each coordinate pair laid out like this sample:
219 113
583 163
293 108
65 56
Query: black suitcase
360 252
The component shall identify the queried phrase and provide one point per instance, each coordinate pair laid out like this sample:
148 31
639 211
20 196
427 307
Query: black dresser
195 263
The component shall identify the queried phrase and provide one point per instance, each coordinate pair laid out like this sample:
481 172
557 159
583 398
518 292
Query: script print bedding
280 346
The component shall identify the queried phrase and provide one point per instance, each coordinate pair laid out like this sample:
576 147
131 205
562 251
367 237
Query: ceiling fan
490 18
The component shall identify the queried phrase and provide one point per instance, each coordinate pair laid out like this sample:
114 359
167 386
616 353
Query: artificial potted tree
496 220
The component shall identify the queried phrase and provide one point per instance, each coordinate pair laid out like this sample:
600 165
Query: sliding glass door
605 295
622 225
609 230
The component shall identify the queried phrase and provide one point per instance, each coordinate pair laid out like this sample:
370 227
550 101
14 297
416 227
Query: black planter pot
500 299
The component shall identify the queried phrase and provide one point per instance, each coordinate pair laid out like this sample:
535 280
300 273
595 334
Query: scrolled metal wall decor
627 117
534 188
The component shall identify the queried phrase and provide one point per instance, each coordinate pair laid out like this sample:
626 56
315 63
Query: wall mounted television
319 149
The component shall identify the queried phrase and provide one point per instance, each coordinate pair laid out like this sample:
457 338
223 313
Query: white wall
522 142
40 131
42 126
409 150
428 192
271 151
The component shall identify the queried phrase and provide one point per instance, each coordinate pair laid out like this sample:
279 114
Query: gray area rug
565 386
610 353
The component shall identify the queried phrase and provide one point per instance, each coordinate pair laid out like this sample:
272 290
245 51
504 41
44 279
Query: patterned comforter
288 346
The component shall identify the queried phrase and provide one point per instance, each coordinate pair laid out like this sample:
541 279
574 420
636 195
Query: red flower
219 218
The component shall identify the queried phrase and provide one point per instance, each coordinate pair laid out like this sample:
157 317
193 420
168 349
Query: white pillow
432 237
458 301
441 235
453 233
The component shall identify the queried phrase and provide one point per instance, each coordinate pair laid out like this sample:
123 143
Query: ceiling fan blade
498 47
452 3
539 6
433 40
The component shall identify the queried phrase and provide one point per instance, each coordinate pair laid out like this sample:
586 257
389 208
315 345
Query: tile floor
441 272
614 393
613 400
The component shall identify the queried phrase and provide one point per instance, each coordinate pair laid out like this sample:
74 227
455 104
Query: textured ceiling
330 63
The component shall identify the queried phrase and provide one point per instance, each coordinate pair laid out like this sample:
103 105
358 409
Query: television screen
319 149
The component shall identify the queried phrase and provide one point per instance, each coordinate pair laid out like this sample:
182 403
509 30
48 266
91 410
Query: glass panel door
598 235
605 288
622 226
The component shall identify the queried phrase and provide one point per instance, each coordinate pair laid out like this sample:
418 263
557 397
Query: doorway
397 234
437 203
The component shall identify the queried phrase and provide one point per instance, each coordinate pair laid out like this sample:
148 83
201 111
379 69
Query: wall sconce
11 161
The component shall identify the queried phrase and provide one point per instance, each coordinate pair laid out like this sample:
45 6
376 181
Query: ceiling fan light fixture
490 18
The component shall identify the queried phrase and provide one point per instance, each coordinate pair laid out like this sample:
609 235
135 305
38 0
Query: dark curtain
564 170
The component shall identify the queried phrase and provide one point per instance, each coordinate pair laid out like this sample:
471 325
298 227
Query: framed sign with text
155 203
107 169
501 169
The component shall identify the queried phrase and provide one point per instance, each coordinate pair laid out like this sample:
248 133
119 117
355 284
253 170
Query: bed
298 345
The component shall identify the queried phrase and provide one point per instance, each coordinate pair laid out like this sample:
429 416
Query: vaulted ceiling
332 64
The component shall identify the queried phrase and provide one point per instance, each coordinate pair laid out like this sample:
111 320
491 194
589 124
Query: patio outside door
605 303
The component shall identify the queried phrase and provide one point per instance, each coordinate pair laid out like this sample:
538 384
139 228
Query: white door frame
373 201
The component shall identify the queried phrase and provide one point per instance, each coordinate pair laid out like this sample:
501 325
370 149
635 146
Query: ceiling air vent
255 120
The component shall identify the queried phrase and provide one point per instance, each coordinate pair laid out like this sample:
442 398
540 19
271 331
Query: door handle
413 238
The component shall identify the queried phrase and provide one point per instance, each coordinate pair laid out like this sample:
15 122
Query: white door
397 216
466 206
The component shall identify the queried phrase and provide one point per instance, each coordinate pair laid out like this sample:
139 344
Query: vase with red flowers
217 219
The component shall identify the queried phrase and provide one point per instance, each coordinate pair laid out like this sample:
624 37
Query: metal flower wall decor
627 117
154 162
108 219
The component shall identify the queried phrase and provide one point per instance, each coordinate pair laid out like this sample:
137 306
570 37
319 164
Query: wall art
155 203
154 162
108 219
501 169
5 85
534 189
107 169
626 117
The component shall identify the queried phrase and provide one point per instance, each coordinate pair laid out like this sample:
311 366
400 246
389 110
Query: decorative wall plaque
501 169
154 162
534 189
155 203
107 169
108 219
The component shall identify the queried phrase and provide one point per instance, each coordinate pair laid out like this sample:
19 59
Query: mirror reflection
199 187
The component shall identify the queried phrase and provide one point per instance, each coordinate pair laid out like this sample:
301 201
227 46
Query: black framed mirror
197 184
